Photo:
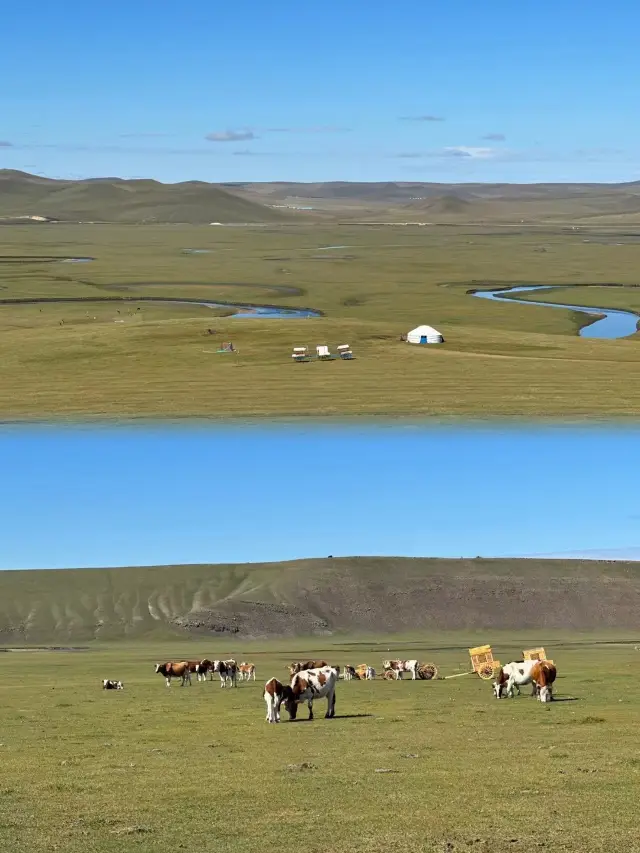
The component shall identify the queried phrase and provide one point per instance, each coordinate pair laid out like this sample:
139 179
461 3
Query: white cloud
230 136
470 151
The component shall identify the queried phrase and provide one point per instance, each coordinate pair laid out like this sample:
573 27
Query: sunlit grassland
404 766
499 359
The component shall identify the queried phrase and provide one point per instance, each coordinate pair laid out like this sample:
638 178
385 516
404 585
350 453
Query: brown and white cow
298 666
228 672
350 673
174 670
310 684
539 673
543 675
247 671
396 667
108 684
274 695
201 669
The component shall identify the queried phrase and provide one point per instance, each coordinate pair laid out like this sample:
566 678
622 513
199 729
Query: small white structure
323 351
425 335
299 354
344 351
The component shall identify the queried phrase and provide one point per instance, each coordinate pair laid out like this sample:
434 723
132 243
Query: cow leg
331 706
310 704
168 680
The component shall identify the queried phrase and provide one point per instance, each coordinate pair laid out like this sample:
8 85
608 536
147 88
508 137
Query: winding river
242 309
612 323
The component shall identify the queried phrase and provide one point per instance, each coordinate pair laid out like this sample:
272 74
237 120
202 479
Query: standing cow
175 670
228 672
274 695
310 684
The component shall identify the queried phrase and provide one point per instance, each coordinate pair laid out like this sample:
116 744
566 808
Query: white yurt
425 335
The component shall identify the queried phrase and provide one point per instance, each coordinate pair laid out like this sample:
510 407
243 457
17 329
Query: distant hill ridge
126 201
317 597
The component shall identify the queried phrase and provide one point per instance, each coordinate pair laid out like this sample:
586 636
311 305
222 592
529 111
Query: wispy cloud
409 155
469 151
317 129
494 137
246 152
631 553
422 118
231 136
5 144
149 135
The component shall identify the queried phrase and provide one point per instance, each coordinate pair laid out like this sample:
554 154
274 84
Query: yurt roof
424 330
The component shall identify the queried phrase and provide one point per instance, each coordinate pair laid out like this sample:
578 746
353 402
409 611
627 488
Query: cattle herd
317 679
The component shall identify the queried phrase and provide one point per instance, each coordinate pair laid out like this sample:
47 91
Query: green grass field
499 360
199 769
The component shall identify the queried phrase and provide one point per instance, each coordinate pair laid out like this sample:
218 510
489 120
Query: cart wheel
486 671
428 671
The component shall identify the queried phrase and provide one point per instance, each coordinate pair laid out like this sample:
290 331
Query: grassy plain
499 359
427 766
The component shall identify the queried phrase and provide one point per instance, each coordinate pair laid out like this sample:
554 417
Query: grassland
321 598
499 360
435 766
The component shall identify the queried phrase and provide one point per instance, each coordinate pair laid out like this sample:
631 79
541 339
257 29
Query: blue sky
158 495
360 90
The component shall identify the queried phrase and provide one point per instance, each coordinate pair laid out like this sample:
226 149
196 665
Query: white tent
425 335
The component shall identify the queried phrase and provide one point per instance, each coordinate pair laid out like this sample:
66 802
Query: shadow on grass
336 717
566 699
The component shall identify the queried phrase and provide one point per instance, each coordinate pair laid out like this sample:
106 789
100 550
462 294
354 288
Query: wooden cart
535 654
483 662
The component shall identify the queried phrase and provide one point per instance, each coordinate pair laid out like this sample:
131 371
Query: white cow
310 684
370 673
512 676
412 667
274 694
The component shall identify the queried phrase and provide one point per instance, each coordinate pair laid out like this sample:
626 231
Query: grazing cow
298 666
175 670
228 672
247 671
310 684
108 684
274 695
540 674
543 675
396 667
350 673
512 676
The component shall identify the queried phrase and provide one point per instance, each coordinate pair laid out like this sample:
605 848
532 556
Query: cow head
289 701
119 685
499 684
158 667
546 694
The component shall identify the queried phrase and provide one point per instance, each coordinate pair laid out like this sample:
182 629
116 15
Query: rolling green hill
126 201
359 595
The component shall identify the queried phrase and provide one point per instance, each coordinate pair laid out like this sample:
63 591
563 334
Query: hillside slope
305 597
117 200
